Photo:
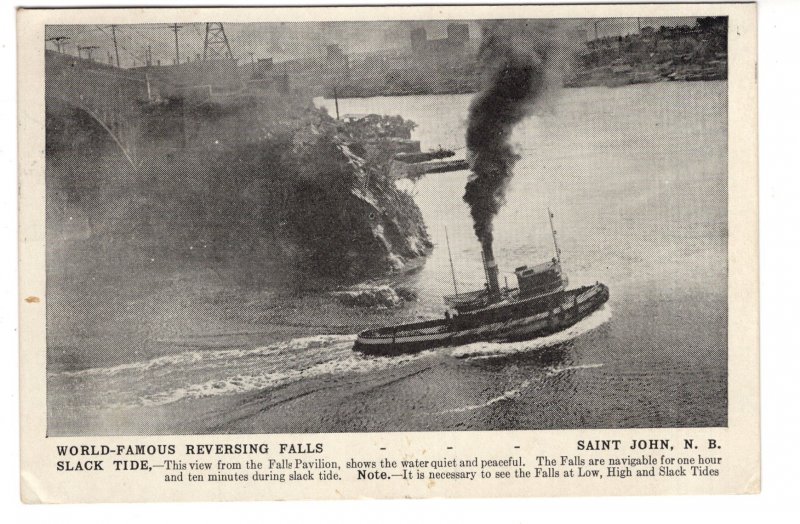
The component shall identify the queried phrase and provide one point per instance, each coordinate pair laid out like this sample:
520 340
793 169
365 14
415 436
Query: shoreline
575 85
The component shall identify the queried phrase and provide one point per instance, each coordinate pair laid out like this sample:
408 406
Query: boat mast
450 255
555 242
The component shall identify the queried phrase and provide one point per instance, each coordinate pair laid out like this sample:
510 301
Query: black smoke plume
521 60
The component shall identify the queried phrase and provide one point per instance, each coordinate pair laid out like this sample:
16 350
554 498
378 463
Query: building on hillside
456 41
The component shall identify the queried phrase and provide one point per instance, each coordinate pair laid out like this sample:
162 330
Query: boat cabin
534 282
540 279
469 301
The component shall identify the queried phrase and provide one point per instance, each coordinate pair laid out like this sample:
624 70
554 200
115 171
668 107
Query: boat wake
507 395
354 363
553 371
215 372
481 350
204 373
512 393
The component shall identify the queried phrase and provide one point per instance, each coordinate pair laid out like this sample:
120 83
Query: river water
637 179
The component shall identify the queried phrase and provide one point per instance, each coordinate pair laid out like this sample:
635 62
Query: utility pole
452 268
89 49
336 101
59 41
114 38
595 29
252 64
175 28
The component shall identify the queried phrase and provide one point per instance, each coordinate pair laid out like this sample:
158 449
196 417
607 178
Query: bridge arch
105 121
111 96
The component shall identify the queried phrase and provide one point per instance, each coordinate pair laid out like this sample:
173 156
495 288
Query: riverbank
667 53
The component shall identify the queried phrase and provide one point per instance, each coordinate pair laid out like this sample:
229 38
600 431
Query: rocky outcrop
288 198
349 217
375 296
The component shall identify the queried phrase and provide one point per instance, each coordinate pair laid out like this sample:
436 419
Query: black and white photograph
386 226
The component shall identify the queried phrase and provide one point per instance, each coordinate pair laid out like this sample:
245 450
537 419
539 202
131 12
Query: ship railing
539 268
424 327
593 290
544 289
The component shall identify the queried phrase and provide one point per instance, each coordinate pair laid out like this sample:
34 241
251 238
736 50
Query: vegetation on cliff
295 197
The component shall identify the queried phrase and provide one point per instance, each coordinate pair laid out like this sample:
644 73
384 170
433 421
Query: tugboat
539 306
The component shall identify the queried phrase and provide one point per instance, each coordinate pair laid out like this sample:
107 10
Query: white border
779 191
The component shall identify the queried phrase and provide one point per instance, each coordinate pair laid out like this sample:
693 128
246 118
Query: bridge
112 96
127 103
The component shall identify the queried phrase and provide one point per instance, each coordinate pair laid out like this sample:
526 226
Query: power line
88 49
153 42
134 55
194 26
70 38
59 41
159 45
69 34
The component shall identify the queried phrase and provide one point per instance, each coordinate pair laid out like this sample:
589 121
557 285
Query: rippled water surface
636 177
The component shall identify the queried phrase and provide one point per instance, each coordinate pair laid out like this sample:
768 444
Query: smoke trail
519 59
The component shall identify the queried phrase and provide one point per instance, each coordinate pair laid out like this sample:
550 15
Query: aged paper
281 253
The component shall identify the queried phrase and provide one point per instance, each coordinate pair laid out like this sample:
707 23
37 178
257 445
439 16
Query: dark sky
287 40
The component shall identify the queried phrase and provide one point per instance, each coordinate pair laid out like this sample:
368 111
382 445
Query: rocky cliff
286 193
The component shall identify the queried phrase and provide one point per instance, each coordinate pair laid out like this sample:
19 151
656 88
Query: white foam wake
500 349
553 371
511 393
197 358
243 383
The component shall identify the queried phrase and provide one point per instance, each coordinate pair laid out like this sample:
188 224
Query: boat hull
521 320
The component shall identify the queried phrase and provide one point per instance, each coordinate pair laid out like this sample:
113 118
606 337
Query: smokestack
521 61
490 266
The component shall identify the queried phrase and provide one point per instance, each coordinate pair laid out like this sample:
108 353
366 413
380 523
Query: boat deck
507 309
517 320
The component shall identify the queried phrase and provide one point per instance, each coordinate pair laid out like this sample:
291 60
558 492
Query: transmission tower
216 45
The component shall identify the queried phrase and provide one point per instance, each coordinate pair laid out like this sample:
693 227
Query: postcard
431 251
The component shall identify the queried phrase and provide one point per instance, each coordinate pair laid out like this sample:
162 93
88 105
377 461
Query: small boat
541 305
